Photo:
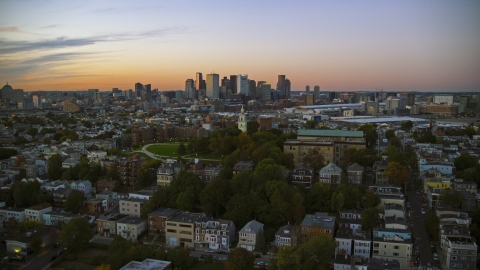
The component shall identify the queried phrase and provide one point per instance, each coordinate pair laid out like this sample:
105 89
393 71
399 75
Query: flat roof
363 119
329 133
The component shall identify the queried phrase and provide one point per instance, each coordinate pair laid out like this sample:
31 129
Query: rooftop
320 220
329 133
147 264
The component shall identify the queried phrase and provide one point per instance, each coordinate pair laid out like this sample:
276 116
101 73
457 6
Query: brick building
127 169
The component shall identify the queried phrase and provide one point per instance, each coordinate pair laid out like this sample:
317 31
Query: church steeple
242 122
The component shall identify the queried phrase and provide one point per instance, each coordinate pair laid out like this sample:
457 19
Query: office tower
97 98
226 83
148 88
252 88
281 86
37 101
445 99
307 89
410 98
190 89
288 87
198 81
258 95
213 88
316 92
91 92
242 84
266 91
233 83
128 94
138 89
307 99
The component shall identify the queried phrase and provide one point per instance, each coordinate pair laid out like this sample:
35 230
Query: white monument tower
242 123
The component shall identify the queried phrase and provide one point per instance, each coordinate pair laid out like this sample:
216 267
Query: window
463 258
454 258
395 247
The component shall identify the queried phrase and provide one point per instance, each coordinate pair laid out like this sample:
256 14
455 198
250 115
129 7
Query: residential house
393 244
249 235
84 186
131 207
57 218
303 175
95 207
107 225
167 171
394 210
316 225
110 197
355 174
180 229
435 179
351 219
286 236
469 201
60 196
330 174
12 212
344 238
433 196
243 166
147 264
381 176
131 227
459 248
460 185
156 220
342 261
36 212
216 234
388 194
380 264
393 222
362 244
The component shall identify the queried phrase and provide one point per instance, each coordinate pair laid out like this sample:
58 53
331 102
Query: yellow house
435 179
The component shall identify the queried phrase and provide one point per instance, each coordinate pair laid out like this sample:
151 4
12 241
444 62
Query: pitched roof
331 166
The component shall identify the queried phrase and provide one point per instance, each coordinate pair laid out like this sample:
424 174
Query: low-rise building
57 218
362 244
131 227
180 229
131 207
148 264
107 185
107 225
249 235
216 234
156 219
393 244
394 210
286 236
12 213
303 175
355 174
20 245
316 225
351 219
36 212
344 239
243 166
330 174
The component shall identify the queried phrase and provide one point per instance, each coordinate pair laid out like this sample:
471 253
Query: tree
397 173
316 253
407 125
252 127
260 243
465 161
215 196
369 218
76 234
370 134
240 259
314 158
427 137
432 224
351 195
75 202
310 124
54 167
286 258
338 201
182 150
37 244
371 199
452 198
32 131
28 225
180 258
389 134
7 153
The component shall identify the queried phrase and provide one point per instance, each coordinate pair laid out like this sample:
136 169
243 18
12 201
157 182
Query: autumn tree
180 258
314 158
36 244
397 173
240 259
286 258
452 198
316 253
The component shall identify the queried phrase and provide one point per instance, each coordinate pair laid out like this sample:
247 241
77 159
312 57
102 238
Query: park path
162 158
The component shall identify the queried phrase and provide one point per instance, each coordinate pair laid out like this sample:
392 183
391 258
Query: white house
248 235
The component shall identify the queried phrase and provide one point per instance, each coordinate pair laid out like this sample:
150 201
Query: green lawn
164 149
205 156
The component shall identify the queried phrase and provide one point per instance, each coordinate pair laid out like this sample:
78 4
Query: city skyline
340 46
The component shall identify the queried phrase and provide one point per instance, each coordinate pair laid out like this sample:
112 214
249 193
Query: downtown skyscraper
281 86
190 91
242 84
213 87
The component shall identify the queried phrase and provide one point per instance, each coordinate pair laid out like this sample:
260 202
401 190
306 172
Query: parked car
209 251
423 211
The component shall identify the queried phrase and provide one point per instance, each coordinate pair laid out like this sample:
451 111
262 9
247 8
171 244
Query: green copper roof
329 133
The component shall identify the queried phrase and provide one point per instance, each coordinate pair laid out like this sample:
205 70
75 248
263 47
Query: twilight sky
339 45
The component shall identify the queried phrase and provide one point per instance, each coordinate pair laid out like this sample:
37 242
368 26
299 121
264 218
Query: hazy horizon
339 45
